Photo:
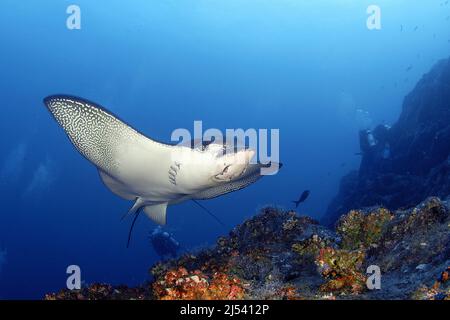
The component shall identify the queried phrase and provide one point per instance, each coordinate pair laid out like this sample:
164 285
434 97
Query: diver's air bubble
363 119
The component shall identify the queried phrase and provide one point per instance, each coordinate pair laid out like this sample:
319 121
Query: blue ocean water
311 69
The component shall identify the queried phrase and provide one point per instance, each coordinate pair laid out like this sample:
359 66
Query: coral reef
179 284
408 162
413 237
363 230
259 255
101 291
439 291
343 268
280 255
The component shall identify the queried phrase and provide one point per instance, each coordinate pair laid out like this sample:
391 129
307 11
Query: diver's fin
115 186
209 212
157 212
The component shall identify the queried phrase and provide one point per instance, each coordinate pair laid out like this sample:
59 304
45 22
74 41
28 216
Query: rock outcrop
404 164
280 255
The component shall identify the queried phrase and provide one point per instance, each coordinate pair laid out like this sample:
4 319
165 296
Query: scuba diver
375 149
164 243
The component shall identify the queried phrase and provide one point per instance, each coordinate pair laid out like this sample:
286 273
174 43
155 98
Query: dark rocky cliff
404 164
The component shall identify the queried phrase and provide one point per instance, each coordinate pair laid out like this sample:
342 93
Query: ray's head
228 162
214 164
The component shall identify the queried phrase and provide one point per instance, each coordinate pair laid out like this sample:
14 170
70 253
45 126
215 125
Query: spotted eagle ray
152 173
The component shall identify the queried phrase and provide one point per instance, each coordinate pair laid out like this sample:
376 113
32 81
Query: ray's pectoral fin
157 212
113 146
116 186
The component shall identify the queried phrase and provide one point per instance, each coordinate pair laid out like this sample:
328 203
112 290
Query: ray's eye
225 170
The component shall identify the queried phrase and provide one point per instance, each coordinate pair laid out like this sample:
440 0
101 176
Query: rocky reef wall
404 164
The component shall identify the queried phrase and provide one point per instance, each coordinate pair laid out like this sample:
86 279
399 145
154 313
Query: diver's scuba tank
371 139
366 140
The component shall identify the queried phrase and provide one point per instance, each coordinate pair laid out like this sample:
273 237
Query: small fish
409 68
401 28
417 27
302 198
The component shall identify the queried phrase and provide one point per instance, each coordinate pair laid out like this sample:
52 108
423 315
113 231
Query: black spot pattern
173 172
93 131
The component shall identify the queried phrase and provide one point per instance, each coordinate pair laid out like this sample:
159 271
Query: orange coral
445 275
437 291
183 285
288 293
342 269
